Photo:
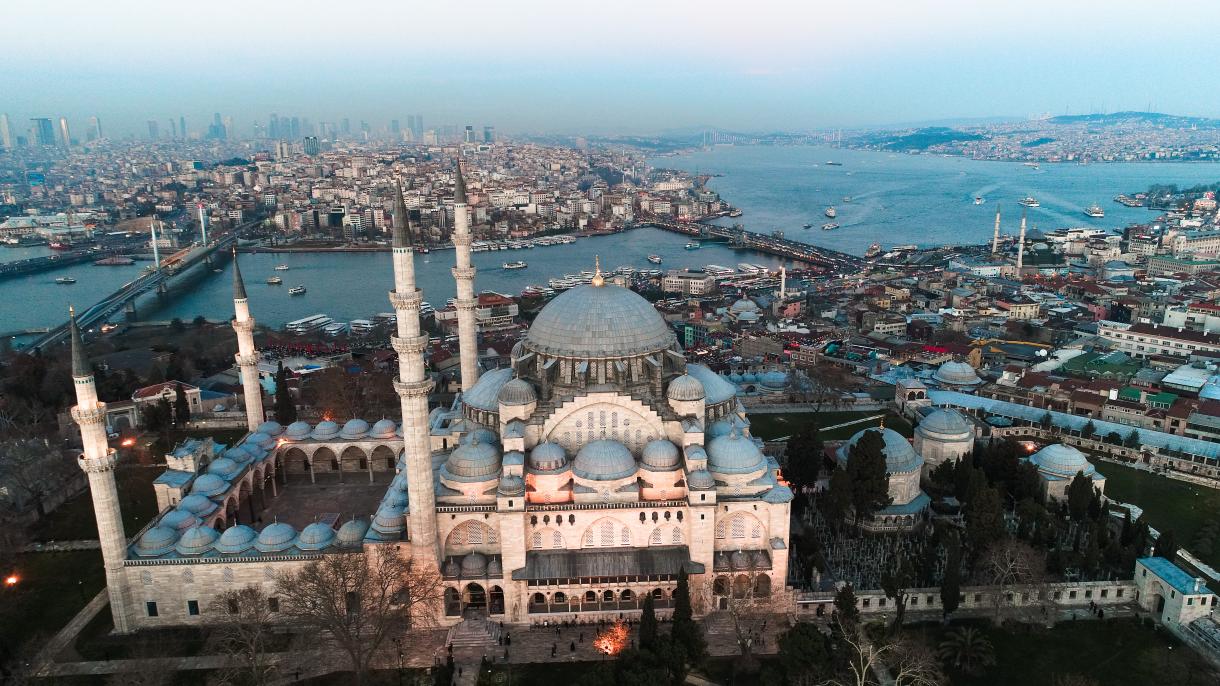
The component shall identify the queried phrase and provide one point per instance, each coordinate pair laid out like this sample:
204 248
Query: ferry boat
1029 201
60 245
747 268
1031 165
518 264
873 250
692 246
309 324
64 280
425 309
361 327
274 281
905 248
655 259
829 226
281 267
296 290
718 271
847 198
833 164
831 212
335 329
385 318
1095 211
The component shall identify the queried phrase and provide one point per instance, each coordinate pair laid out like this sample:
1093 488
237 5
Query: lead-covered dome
297 431
270 428
384 428
956 374
325 430
1062 461
236 539
734 454
352 533
196 540
685 388
900 456
603 460
660 455
944 422
474 461
158 540
316 536
546 457
354 428
599 321
517 392
209 485
276 537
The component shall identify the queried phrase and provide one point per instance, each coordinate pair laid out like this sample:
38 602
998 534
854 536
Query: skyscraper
182 126
419 126
95 128
42 131
65 136
468 134
346 126
411 126
154 132
394 128
6 133
489 134
173 129
311 145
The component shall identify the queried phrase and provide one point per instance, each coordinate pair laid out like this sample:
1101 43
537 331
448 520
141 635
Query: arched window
471 533
608 596
556 539
738 525
560 597
625 536
536 540
627 595
676 536
655 538
590 596
604 533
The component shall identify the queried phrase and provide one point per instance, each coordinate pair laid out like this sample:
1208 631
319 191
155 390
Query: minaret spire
402 220
98 460
463 273
247 355
1021 245
995 239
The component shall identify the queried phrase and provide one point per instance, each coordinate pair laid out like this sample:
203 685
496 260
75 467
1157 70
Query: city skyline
642 70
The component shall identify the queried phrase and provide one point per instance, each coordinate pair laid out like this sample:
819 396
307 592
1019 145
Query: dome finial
882 424
598 279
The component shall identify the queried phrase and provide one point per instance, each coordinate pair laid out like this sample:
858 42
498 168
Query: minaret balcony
99 465
412 388
409 345
406 301
462 239
463 272
90 415
242 326
246 360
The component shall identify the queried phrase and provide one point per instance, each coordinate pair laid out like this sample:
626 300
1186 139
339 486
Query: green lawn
74 519
51 589
768 426
1113 653
1168 504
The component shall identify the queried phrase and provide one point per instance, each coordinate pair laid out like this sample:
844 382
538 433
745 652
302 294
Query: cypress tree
870 482
684 631
285 409
182 408
951 586
648 623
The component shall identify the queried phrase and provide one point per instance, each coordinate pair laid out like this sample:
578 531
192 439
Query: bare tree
748 611
31 471
826 387
1012 566
360 599
244 623
907 663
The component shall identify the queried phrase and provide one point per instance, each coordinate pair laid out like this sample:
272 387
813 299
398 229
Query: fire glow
613 639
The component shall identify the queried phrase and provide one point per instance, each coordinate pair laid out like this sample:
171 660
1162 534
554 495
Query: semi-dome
685 388
384 428
388 519
517 392
236 539
225 468
598 322
511 485
198 505
944 422
297 431
196 540
717 388
352 532
480 435
956 374
354 428
275 537
179 520
271 428
1062 460
548 456
603 460
209 485
475 461
485 393
900 456
316 536
734 454
324 431
701 480
474 565
720 427
660 455
158 540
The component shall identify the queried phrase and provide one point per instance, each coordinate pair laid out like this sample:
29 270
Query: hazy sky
610 66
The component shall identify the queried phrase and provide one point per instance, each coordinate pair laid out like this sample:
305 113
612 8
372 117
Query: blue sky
619 66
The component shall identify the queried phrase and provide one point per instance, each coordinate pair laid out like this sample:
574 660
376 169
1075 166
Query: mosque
587 475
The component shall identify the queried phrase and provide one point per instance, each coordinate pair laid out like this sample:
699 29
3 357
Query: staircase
473 633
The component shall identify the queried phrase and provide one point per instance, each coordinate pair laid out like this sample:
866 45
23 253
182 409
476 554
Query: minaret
247 356
97 459
463 273
203 226
995 239
1021 245
412 386
783 282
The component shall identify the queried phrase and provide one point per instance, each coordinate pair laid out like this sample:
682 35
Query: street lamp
11 580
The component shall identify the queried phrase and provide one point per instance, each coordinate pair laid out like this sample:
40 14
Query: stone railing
1067 594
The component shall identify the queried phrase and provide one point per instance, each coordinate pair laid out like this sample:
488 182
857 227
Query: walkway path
67 635
61 546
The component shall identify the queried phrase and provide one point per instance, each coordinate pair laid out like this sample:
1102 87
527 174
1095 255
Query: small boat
1029 201
281 267
63 280
807 226
829 226
873 250
60 245
834 164
518 264
831 212
217 271
1031 165
296 290
1095 211
978 200
274 281
847 198
655 259
692 246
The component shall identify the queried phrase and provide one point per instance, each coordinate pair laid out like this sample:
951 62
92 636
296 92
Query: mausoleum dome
954 373
1062 460
517 392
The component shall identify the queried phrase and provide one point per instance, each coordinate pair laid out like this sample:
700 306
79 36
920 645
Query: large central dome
597 322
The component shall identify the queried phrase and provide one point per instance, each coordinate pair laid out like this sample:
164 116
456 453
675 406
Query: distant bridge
830 260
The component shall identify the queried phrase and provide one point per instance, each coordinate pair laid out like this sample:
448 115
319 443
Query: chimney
1198 584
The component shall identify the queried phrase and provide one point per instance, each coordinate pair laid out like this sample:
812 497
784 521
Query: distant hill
1154 118
919 139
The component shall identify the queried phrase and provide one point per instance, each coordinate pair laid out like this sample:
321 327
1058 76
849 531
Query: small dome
384 428
744 305
604 460
275 538
196 540
324 431
547 457
297 431
474 565
773 379
517 392
316 536
451 568
734 454
236 539
474 461
701 480
956 374
735 377
262 440
209 485
494 569
271 428
354 428
660 455
739 560
225 468
944 422
685 388
1062 460
481 435
900 457
749 377
240 454
179 520
198 505
352 533
158 540
511 485
759 559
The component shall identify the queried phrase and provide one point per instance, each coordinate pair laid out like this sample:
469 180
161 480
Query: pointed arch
740 527
605 533
471 534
